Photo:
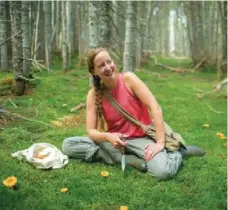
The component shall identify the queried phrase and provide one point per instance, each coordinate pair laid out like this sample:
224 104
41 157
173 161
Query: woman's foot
192 150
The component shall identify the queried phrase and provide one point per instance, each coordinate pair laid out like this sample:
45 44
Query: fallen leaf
57 124
206 125
223 137
104 173
219 134
64 190
10 182
222 156
124 208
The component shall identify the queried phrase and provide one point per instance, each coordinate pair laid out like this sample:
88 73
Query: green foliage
199 185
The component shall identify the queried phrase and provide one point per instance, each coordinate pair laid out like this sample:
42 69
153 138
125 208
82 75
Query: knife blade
123 162
123 159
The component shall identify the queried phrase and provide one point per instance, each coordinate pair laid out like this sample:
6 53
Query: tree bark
48 32
3 36
138 36
20 85
104 23
223 10
65 47
93 24
128 42
26 38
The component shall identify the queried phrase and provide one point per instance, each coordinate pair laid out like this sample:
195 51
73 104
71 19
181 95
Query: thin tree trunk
48 32
40 48
104 23
36 31
3 36
197 32
134 46
93 24
26 37
71 26
223 12
65 50
128 42
57 42
138 36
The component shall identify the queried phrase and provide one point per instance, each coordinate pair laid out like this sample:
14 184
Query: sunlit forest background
34 33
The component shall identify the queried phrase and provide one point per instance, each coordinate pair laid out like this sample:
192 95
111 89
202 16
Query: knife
123 160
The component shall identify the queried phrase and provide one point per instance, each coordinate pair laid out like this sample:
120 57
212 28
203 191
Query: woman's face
104 66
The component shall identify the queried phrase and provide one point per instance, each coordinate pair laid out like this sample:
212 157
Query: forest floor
199 185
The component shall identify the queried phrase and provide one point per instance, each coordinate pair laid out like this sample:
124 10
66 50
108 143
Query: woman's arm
91 119
138 88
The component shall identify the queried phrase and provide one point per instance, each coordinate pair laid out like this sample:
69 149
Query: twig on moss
12 116
213 110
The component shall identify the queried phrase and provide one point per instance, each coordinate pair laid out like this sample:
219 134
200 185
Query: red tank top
115 121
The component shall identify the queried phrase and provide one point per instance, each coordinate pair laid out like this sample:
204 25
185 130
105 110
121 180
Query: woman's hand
115 140
152 149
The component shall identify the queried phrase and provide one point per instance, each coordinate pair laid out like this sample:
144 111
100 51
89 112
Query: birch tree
20 84
128 42
3 36
93 24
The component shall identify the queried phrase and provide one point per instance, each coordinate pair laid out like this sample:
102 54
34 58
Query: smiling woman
120 136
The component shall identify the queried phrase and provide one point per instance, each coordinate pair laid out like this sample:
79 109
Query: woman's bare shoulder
129 77
91 94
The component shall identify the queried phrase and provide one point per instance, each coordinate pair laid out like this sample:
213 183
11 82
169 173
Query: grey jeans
162 166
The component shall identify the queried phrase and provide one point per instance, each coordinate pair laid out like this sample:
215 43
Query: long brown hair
100 124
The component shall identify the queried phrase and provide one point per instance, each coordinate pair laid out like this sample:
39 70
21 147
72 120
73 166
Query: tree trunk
65 49
58 26
138 36
93 24
20 85
128 42
84 28
26 37
104 23
134 46
36 31
71 27
40 48
3 36
197 32
223 10
48 32
119 21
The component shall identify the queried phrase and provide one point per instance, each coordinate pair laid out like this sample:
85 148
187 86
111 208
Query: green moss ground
199 185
